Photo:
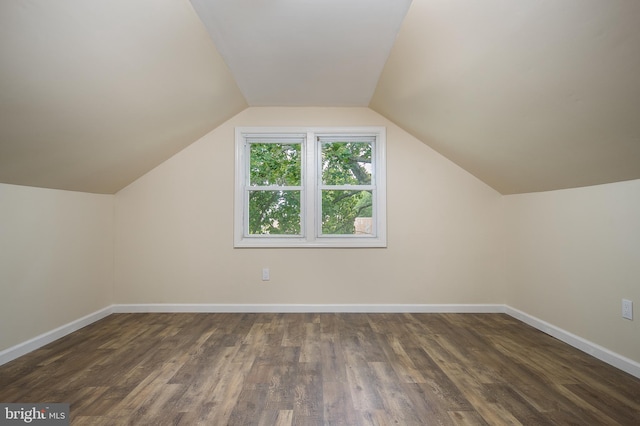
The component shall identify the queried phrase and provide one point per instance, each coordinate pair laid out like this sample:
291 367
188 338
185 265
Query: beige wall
566 257
56 259
174 241
573 255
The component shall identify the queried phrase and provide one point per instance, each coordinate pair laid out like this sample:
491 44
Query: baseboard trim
603 354
37 342
625 364
308 308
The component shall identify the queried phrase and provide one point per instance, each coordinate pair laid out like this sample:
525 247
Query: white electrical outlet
627 309
265 274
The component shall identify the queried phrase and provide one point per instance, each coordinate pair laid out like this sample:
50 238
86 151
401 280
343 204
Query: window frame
310 193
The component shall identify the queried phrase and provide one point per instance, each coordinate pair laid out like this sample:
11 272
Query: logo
35 414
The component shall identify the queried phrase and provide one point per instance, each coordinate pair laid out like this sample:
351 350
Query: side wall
573 255
56 259
174 231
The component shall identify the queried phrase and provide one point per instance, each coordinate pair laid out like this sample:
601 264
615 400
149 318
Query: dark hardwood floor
315 369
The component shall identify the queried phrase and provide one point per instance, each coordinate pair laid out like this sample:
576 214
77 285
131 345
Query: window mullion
310 187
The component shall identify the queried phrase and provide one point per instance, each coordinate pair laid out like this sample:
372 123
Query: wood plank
337 404
320 369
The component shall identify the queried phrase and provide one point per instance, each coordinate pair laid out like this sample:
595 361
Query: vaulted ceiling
528 95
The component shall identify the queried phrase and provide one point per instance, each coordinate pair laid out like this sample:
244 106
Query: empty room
336 212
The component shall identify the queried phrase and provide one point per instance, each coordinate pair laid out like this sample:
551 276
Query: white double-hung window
310 187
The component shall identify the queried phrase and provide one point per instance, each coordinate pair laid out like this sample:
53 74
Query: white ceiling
295 52
528 95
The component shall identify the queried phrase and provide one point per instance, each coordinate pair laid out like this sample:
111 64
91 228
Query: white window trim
309 224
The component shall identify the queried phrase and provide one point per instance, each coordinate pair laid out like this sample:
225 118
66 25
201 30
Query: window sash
322 141
275 139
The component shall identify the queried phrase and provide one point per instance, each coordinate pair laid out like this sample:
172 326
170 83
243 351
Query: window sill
318 243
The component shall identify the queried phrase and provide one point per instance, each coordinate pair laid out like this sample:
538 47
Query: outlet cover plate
627 309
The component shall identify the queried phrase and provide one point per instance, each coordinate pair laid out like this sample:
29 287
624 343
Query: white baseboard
307 308
23 348
603 354
39 341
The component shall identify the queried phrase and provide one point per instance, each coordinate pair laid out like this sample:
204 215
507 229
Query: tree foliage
345 163
277 210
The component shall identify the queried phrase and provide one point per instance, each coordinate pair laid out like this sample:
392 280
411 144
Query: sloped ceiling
527 95
93 94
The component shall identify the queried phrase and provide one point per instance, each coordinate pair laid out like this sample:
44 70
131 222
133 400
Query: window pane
274 212
275 164
346 163
347 212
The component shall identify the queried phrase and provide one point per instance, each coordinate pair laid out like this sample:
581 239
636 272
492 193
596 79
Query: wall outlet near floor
627 309
265 274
